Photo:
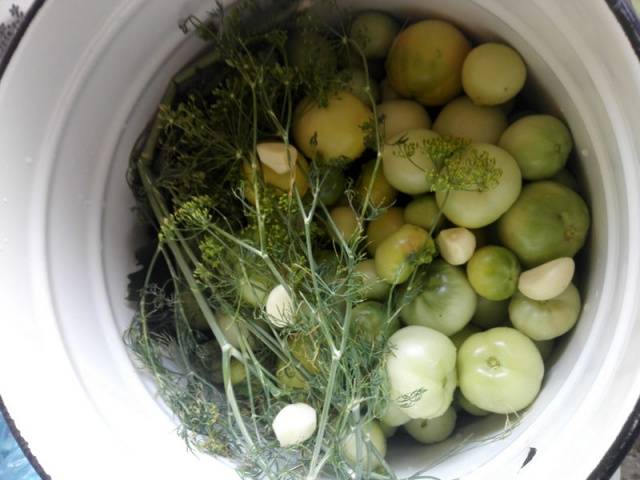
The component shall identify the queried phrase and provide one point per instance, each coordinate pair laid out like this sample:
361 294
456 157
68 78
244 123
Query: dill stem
324 418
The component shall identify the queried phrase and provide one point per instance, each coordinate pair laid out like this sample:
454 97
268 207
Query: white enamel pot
81 84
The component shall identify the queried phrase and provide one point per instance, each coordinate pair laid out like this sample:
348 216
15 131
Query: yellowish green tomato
464 119
493 272
366 89
373 287
333 132
479 209
433 430
289 377
333 186
345 222
402 252
370 321
383 226
381 193
493 74
548 221
440 298
356 447
500 370
425 62
548 319
424 212
408 169
374 33
305 350
459 337
540 144
461 401
421 360
402 115
490 314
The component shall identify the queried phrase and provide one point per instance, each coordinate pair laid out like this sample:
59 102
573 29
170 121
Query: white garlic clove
548 280
294 424
281 158
456 245
280 307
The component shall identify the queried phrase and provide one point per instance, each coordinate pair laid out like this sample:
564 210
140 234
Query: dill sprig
223 235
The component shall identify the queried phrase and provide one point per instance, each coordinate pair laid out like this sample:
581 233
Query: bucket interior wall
117 60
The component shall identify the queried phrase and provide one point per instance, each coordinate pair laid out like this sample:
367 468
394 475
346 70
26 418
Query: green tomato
400 116
493 74
381 193
310 51
458 338
461 401
192 311
424 212
540 144
357 85
382 227
440 298
500 370
425 62
370 321
544 320
345 224
394 416
237 371
490 314
388 430
234 331
479 209
493 272
464 119
305 349
253 287
548 221
545 347
332 132
433 430
374 33
289 377
333 186
401 253
356 451
421 368
373 287
409 174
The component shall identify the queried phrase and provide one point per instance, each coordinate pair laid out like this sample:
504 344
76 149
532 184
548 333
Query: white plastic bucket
82 84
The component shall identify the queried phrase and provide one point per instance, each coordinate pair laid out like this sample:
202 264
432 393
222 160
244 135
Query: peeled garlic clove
280 307
456 245
281 158
548 280
294 424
